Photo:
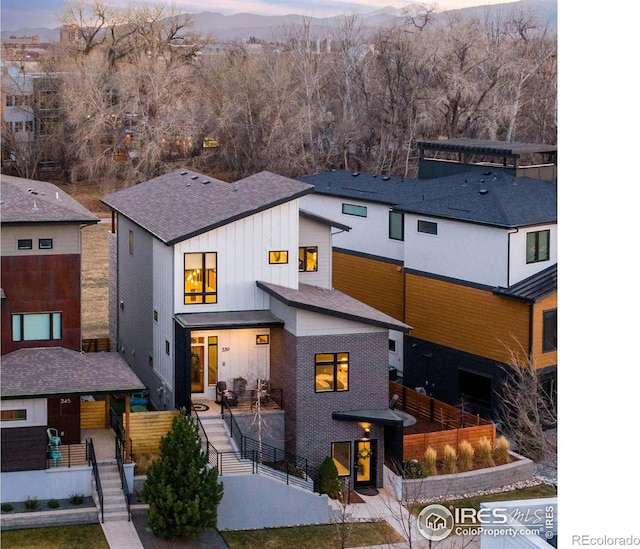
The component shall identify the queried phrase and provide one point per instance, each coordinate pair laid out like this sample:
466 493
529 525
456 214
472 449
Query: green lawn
323 536
59 537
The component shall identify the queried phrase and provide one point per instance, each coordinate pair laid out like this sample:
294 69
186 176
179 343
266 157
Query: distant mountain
242 26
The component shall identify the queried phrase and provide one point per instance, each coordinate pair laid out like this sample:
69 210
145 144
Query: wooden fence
93 415
147 428
95 345
446 424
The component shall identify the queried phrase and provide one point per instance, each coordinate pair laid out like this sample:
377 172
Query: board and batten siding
163 295
242 251
540 358
66 239
135 299
377 283
466 251
469 319
317 234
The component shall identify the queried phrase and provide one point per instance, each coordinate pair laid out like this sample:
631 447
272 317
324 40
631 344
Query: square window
25 244
278 257
332 372
354 209
427 227
538 246
45 243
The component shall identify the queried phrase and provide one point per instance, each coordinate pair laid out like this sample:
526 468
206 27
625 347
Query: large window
396 226
36 326
308 259
538 246
354 209
341 455
332 372
200 280
474 388
549 330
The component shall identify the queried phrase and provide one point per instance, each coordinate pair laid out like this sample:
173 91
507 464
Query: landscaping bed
36 514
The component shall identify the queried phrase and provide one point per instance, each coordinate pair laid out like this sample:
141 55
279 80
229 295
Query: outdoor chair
54 439
55 453
138 399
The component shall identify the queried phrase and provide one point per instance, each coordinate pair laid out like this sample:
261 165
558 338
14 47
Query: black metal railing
121 435
91 458
265 459
123 477
202 432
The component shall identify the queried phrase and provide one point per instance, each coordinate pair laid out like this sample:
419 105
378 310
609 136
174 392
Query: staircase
115 506
226 457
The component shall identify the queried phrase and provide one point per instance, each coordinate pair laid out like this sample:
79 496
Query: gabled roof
183 204
32 201
488 198
53 371
332 303
535 287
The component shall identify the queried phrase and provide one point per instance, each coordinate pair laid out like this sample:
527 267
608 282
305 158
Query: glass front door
365 463
197 364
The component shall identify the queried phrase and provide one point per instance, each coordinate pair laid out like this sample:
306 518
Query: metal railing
121 435
123 478
265 459
91 458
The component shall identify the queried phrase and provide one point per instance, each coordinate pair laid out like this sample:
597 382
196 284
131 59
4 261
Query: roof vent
355 174
386 178
183 173
486 173
206 182
194 177
483 191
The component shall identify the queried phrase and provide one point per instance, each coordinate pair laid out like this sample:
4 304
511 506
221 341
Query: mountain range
242 26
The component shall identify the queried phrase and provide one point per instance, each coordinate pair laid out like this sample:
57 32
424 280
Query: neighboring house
44 373
469 260
214 281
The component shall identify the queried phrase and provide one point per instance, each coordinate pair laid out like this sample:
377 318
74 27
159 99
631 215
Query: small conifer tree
182 491
329 480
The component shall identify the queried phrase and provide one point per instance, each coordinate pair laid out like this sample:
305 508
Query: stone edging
41 519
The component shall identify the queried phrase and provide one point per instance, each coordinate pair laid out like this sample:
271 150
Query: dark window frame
353 209
423 223
549 330
304 261
392 235
539 253
25 244
276 260
45 243
19 337
334 363
204 294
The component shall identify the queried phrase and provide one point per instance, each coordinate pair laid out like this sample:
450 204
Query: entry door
365 462
197 365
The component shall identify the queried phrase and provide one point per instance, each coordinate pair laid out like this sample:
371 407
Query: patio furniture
139 398
54 438
55 453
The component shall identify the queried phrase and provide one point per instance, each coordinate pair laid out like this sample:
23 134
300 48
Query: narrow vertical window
396 226
131 242
308 259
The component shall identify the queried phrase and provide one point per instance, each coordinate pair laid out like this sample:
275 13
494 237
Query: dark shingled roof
333 303
535 287
32 201
52 371
487 198
183 204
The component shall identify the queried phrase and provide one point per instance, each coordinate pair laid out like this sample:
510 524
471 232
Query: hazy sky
18 14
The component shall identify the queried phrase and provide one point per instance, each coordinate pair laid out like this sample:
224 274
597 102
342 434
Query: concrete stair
228 462
115 505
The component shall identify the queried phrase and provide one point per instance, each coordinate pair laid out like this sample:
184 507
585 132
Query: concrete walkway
121 534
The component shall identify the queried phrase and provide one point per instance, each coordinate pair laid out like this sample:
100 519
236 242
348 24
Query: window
19 126
549 330
200 279
341 455
25 244
155 315
353 209
427 227
392 345
167 347
8 100
332 372
278 257
45 243
262 339
36 326
396 226
538 246
28 126
13 415
131 242
474 388
308 259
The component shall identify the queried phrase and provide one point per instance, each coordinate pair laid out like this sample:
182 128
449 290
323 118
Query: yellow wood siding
468 319
147 428
376 283
540 359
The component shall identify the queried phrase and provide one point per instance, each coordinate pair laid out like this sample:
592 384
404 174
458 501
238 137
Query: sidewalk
121 534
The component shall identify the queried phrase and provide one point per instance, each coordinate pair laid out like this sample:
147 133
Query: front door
365 463
197 364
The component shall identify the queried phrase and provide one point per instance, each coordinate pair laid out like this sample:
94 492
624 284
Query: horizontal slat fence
454 425
93 415
96 345
147 428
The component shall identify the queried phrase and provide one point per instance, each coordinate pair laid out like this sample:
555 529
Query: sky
17 14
